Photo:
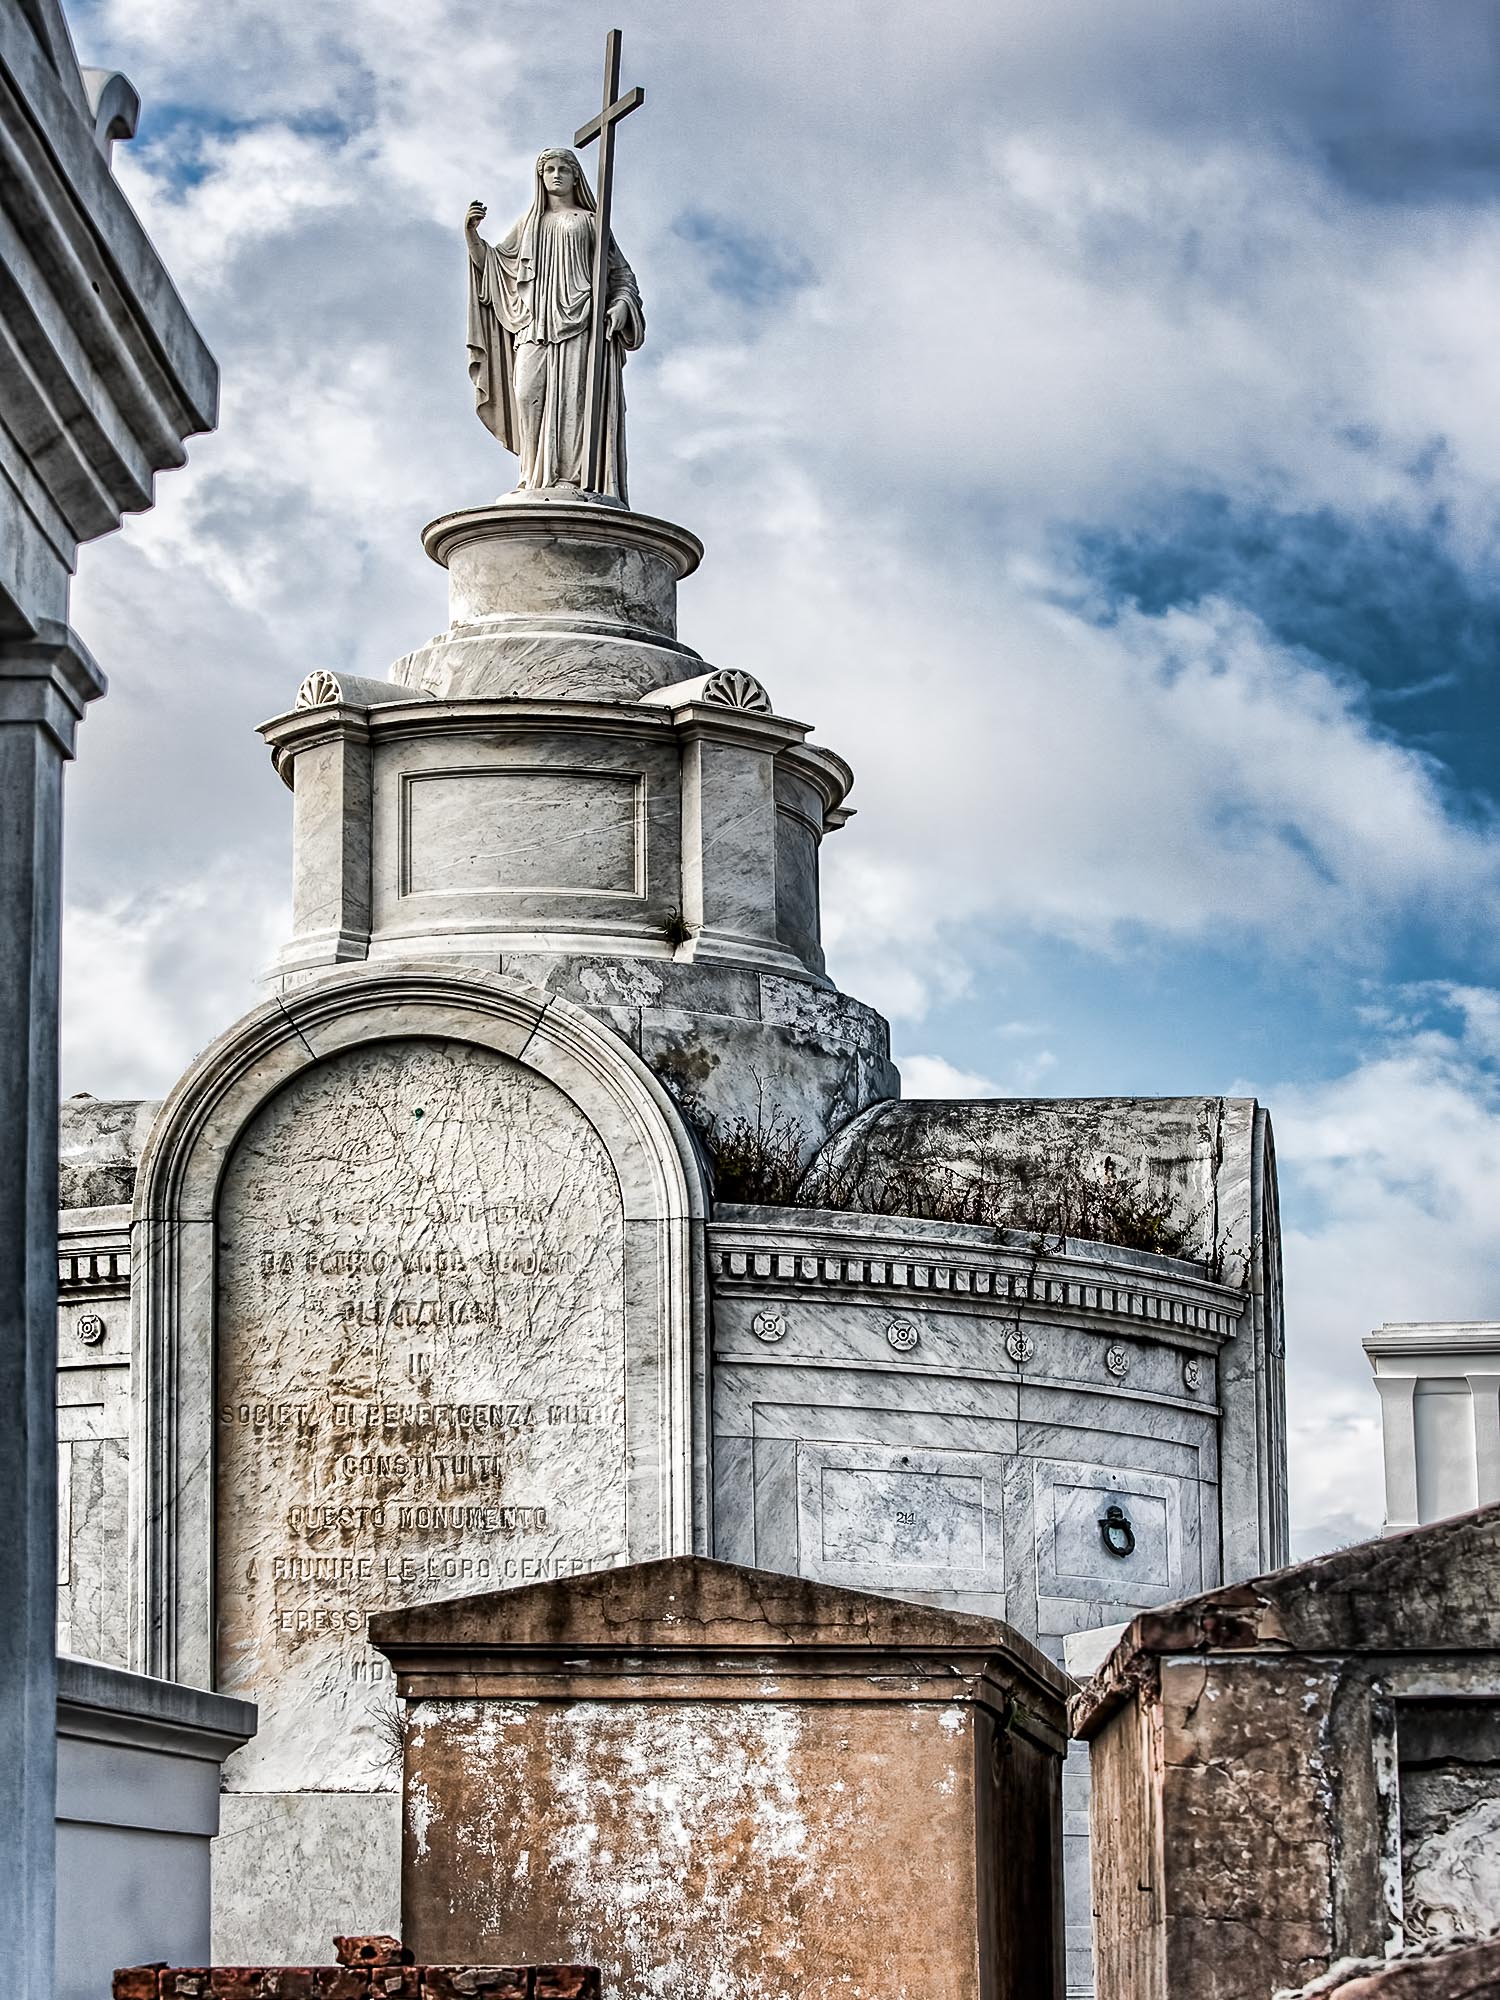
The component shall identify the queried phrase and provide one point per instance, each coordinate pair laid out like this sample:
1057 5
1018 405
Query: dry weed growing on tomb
390 1734
762 1161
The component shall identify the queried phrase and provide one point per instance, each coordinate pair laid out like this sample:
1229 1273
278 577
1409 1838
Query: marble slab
420 1378
891 1517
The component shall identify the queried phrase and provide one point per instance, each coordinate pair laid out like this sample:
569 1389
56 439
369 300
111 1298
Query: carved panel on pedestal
559 832
1114 1536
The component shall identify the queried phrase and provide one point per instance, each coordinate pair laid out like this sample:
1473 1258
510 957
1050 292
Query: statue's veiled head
560 175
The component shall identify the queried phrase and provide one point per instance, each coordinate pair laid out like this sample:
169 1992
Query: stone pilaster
331 798
102 375
44 684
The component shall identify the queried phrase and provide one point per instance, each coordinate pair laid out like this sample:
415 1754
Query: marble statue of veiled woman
529 299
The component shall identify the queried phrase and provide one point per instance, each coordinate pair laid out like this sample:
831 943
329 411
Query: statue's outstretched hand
473 216
617 319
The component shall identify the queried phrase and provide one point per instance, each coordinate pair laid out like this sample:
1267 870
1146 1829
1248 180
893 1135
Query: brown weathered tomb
710 1779
1299 1769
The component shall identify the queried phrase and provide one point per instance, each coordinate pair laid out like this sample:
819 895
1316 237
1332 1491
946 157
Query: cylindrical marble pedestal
556 599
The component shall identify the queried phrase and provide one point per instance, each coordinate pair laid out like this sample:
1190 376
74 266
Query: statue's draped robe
529 345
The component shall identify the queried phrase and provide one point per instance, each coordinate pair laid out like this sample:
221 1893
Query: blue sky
1091 414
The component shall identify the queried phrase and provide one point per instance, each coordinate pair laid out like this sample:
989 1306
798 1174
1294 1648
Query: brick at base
391 1981
379 1950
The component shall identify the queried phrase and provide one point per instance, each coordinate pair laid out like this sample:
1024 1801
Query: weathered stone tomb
710 1779
1300 1769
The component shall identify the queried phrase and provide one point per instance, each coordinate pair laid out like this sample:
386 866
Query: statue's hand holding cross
602 128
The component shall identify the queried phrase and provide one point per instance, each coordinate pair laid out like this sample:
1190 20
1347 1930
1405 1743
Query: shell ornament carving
319 690
732 687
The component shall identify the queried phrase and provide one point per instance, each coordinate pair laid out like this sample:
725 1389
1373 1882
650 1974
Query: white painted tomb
1439 1387
433 1273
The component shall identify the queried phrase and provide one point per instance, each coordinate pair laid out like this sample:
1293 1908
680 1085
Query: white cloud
1020 764
1023 770
935 1076
148 982
1391 1190
256 186
1130 300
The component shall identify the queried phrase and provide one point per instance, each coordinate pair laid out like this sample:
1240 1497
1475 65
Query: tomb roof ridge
732 1606
1430 1588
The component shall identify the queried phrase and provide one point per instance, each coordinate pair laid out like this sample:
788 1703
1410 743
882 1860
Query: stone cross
602 128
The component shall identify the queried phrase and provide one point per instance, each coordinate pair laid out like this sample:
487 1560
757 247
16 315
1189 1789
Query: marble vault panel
420 1378
1105 1531
880 1517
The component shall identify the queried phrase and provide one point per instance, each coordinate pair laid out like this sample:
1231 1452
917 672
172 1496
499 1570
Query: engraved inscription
420 1378
878 1517
916 1520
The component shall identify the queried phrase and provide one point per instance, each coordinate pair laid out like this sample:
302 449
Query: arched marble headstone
421 1377
419 1312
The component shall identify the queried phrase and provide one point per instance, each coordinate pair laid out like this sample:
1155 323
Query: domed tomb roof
1178 1176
